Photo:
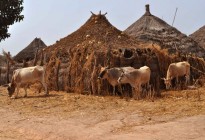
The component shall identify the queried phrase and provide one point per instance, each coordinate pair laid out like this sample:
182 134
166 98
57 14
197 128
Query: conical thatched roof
152 28
29 52
99 34
199 36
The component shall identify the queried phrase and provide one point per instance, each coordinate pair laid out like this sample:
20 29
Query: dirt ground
63 116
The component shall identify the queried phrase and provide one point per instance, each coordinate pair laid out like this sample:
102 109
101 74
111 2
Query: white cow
23 77
136 78
176 70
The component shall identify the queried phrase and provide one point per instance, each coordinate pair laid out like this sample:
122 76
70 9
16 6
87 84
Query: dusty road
63 116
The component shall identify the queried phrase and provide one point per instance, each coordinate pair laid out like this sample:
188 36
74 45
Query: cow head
167 82
11 89
102 73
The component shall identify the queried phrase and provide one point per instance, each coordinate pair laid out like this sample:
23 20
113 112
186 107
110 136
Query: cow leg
139 92
177 82
45 87
113 92
17 91
25 89
187 79
134 92
120 86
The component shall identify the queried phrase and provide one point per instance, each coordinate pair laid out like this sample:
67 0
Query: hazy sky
54 19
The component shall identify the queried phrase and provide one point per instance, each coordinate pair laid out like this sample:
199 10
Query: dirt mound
199 37
29 52
153 29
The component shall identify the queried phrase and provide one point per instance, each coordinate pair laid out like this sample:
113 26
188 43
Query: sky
51 20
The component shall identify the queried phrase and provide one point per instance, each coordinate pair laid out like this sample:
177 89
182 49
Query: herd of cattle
23 77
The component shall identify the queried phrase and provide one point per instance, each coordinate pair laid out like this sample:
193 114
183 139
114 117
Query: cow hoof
13 97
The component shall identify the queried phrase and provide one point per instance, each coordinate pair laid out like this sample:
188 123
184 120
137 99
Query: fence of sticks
77 70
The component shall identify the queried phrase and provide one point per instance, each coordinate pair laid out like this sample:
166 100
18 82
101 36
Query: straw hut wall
153 29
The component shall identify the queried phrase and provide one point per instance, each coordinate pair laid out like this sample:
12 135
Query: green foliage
10 11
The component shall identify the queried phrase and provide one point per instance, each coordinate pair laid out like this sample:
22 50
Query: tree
10 12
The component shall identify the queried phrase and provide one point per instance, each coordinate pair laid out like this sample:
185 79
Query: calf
176 70
24 77
136 78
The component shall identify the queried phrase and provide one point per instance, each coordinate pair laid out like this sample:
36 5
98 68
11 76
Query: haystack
153 29
74 62
199 36
29 52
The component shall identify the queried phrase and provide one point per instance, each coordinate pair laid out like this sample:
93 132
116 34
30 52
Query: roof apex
147 10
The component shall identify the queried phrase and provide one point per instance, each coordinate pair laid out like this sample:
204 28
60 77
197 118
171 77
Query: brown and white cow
176 70
23 77
136 78
112 75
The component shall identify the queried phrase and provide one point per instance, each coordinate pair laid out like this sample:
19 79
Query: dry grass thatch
29 52
199 36
154 29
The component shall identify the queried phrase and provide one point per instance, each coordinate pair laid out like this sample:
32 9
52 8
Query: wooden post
35 58
24 63
0 76
42 58
57 75
8 70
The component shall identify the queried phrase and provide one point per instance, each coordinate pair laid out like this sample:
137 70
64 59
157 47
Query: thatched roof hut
199 36
154 29
74 62
29 52
95 43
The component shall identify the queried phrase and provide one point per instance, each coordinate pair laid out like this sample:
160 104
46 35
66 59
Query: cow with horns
23 77
112 75
136 78
176 70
